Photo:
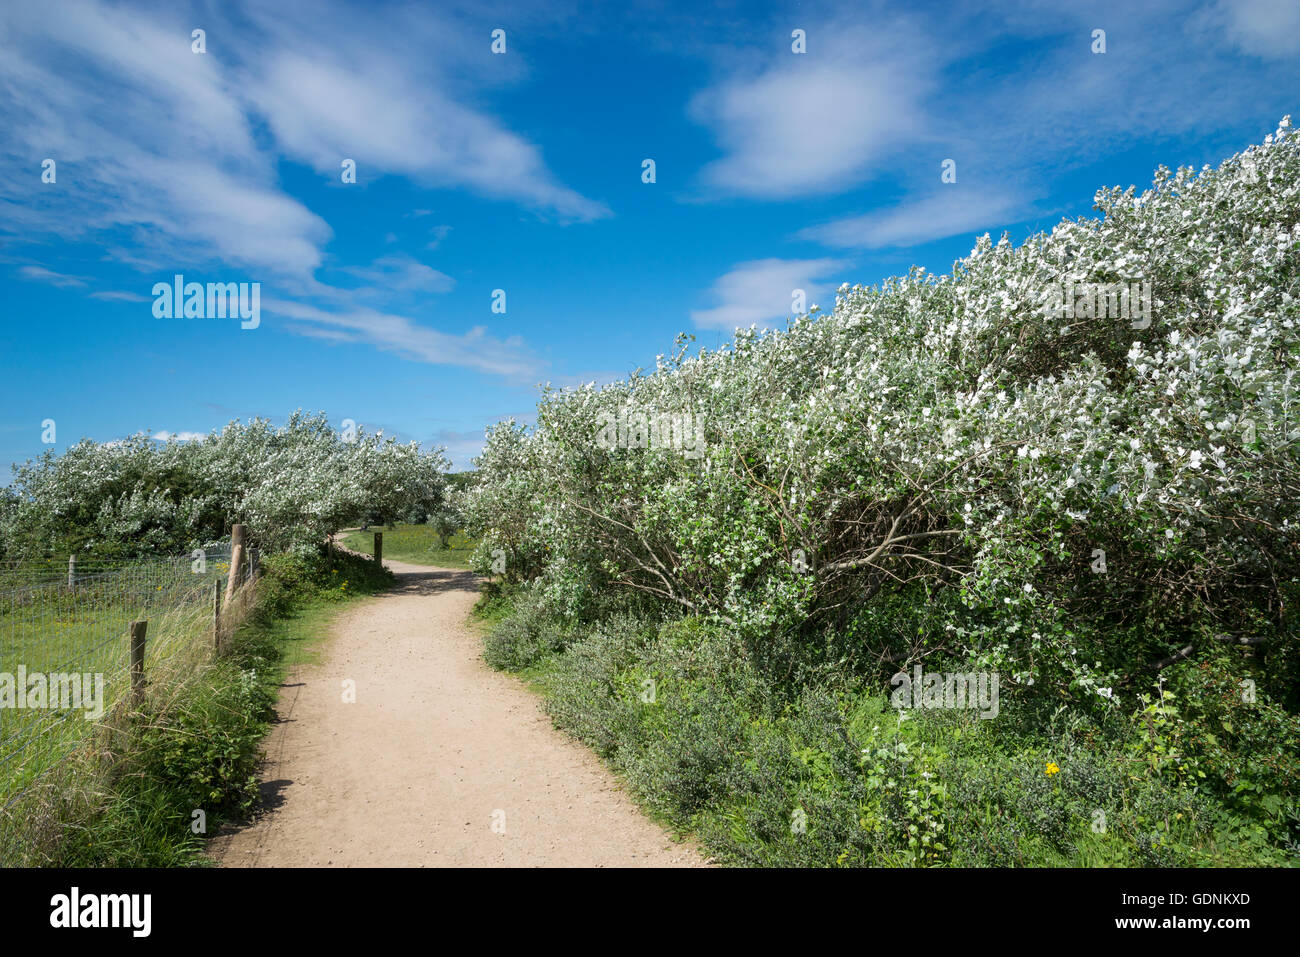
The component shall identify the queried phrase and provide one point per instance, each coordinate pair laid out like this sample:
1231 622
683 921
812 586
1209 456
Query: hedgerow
291 485
1102 511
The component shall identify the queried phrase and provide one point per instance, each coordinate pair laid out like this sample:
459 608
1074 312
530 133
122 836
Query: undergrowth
821 769
153 792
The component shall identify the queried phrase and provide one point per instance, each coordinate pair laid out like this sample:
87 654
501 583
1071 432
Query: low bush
828 773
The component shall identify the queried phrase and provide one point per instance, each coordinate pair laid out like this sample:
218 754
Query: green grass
416 545
47 628
195 746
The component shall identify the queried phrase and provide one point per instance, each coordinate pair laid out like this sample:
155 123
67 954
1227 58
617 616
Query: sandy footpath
436 758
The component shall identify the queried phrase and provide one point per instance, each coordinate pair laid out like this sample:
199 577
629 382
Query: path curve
435 755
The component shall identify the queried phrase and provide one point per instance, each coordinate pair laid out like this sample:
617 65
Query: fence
78 642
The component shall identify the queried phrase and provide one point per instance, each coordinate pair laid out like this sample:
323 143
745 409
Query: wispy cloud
380 114
170 159
1011 91
439 233
474 349
156 140
148 137
41 274
1262 28
403 274
762 291
805 124
461 446
950 211
112 295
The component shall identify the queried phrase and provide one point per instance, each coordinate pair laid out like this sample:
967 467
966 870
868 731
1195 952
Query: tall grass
129 792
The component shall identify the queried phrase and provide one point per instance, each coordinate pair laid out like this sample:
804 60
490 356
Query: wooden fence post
254 563
379 548
237 536
72 571
216 615
137 663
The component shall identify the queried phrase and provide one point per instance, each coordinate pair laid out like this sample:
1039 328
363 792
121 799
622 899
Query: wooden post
379 548
254 563
72 571
216 615
237 536
137 663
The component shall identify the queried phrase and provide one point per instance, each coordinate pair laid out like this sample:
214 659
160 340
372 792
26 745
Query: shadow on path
413 580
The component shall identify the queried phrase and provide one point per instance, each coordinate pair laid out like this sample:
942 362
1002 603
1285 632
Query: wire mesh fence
65 650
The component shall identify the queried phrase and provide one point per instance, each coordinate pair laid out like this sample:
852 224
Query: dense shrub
523 638
940 429
291 485
1102 511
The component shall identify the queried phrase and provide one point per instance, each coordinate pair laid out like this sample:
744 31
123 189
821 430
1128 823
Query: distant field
416 544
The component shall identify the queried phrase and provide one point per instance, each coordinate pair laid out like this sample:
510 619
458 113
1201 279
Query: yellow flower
1052 769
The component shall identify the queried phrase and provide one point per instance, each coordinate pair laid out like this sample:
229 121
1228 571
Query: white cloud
474 349
379 113
460 446
439 233
41 274
402 273
165 436
806 124
761 291
947 212
149 137
113 295
157 141
1263 28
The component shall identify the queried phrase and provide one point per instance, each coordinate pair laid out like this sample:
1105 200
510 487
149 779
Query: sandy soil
441 761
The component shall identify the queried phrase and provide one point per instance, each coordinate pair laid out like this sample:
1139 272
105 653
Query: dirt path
437 752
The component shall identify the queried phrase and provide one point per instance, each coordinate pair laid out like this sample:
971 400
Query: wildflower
1052 769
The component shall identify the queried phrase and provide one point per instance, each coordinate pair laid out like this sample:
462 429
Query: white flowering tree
291 484
1079 501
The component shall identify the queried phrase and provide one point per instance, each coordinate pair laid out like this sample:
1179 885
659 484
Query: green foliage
291 485
824 772
203 750
314 573
523 639
1102 512
939 435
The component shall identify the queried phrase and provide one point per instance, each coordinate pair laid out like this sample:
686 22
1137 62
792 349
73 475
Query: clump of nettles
1100 507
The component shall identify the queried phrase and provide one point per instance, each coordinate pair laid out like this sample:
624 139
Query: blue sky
522 171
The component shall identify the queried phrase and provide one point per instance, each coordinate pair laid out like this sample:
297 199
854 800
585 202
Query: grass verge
149 791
